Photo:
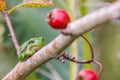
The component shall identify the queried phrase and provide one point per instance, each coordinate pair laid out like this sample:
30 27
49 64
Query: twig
12 34
66 56
90 46
100 67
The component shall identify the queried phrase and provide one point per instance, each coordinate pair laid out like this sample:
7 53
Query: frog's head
40 41
37 43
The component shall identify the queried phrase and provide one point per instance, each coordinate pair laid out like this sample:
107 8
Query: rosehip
58 19
85 74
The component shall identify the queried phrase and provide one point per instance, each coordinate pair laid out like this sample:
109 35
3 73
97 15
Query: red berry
85 74
58 19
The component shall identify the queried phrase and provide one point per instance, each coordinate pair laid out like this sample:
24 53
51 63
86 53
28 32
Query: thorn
65 32
61 59
10 35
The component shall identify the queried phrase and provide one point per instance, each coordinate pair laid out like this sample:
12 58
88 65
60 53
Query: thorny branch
12 34
65 56
61 42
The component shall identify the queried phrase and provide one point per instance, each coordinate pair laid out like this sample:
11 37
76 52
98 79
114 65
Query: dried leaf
37 4
2 5
27 1
31 4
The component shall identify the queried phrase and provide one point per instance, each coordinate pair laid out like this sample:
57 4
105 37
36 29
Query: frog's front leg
25 55
21 57
30 53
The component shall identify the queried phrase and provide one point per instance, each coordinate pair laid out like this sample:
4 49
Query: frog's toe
21 57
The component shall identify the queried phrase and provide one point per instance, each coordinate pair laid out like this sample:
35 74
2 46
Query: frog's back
22 47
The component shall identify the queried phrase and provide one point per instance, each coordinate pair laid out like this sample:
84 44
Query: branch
12 34
60 43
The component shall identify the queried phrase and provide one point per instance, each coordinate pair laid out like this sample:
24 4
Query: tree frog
31 46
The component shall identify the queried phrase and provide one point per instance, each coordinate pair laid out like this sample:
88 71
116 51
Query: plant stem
12 34
100 67
71 5
90 46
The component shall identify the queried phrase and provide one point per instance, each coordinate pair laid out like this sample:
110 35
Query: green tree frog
31 46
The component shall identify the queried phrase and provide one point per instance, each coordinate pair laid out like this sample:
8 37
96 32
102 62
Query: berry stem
100 67
66 56
92 52
92 57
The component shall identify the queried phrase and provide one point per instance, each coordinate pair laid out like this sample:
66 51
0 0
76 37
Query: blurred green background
30 22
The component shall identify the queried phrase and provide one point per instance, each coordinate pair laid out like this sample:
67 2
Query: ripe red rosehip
58 19
86 74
